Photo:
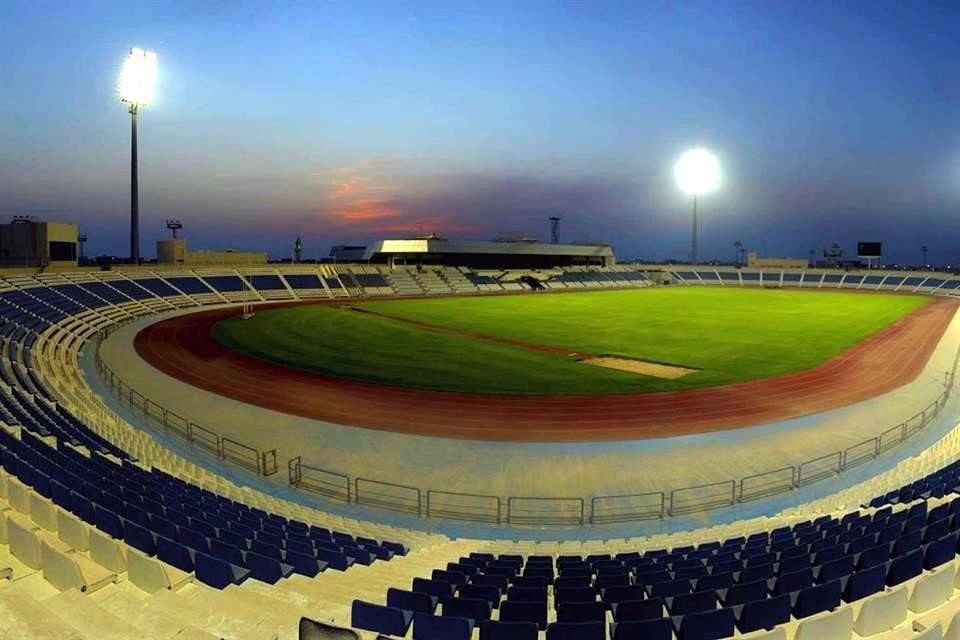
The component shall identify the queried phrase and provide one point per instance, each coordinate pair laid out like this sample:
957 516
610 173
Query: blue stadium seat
653 629
374 617
449 576
529 581
692 602
835 569
108 522
673 588
573 594
753 574
224 551
428 627
795 563
621 594
412 601
864 583
266 569
305 565
743 593
218 573
474 609
488 580
576 631
527 594
437 588
706 625
140 538
790 582
907 542
272 550
904 567
582 612
174 553
940 551
823 597
535 612
715 581
634 610
483 592
877 554
623 580
764 614
298 546
194 540
335 560
499 630
572 581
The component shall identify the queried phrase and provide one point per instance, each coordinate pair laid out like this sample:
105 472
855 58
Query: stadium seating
90 507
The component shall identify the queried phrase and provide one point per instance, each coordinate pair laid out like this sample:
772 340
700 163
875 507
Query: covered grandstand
434 250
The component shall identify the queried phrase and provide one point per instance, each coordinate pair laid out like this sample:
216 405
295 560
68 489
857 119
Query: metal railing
533 510
226 449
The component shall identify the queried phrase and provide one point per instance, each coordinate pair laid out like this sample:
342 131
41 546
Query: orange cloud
369 209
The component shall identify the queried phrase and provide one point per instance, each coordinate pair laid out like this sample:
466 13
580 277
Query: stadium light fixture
138 77
697 173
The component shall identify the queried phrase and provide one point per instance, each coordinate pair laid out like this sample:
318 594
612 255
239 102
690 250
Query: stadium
484 436
166 436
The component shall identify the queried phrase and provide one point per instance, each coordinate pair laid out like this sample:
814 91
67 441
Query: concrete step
25 618
90 619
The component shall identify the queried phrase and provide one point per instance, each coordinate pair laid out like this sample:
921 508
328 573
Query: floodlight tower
173 226
137 79
697 173
554 229
924 249
82 241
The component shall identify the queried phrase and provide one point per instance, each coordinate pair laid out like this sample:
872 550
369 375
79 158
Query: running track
183 348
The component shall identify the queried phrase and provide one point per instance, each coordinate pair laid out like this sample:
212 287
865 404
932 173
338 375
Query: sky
345 122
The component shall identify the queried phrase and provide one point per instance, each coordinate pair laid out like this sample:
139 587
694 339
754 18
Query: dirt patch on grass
653 369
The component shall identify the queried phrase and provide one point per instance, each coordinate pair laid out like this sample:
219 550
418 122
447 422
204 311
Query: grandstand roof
465 250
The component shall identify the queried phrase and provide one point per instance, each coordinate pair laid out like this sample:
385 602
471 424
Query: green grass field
728 335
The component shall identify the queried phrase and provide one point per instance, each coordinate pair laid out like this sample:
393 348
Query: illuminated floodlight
138 76
697 172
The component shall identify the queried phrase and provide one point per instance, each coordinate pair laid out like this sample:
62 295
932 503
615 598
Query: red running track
182 347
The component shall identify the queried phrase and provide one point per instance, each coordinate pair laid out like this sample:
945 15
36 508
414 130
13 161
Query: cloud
383 196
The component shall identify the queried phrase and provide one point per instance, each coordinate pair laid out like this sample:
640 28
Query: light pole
137 79
737 248
697 173
924 249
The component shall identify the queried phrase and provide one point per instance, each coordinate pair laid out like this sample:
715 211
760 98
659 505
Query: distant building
174 251
433 250
753 260
29 243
